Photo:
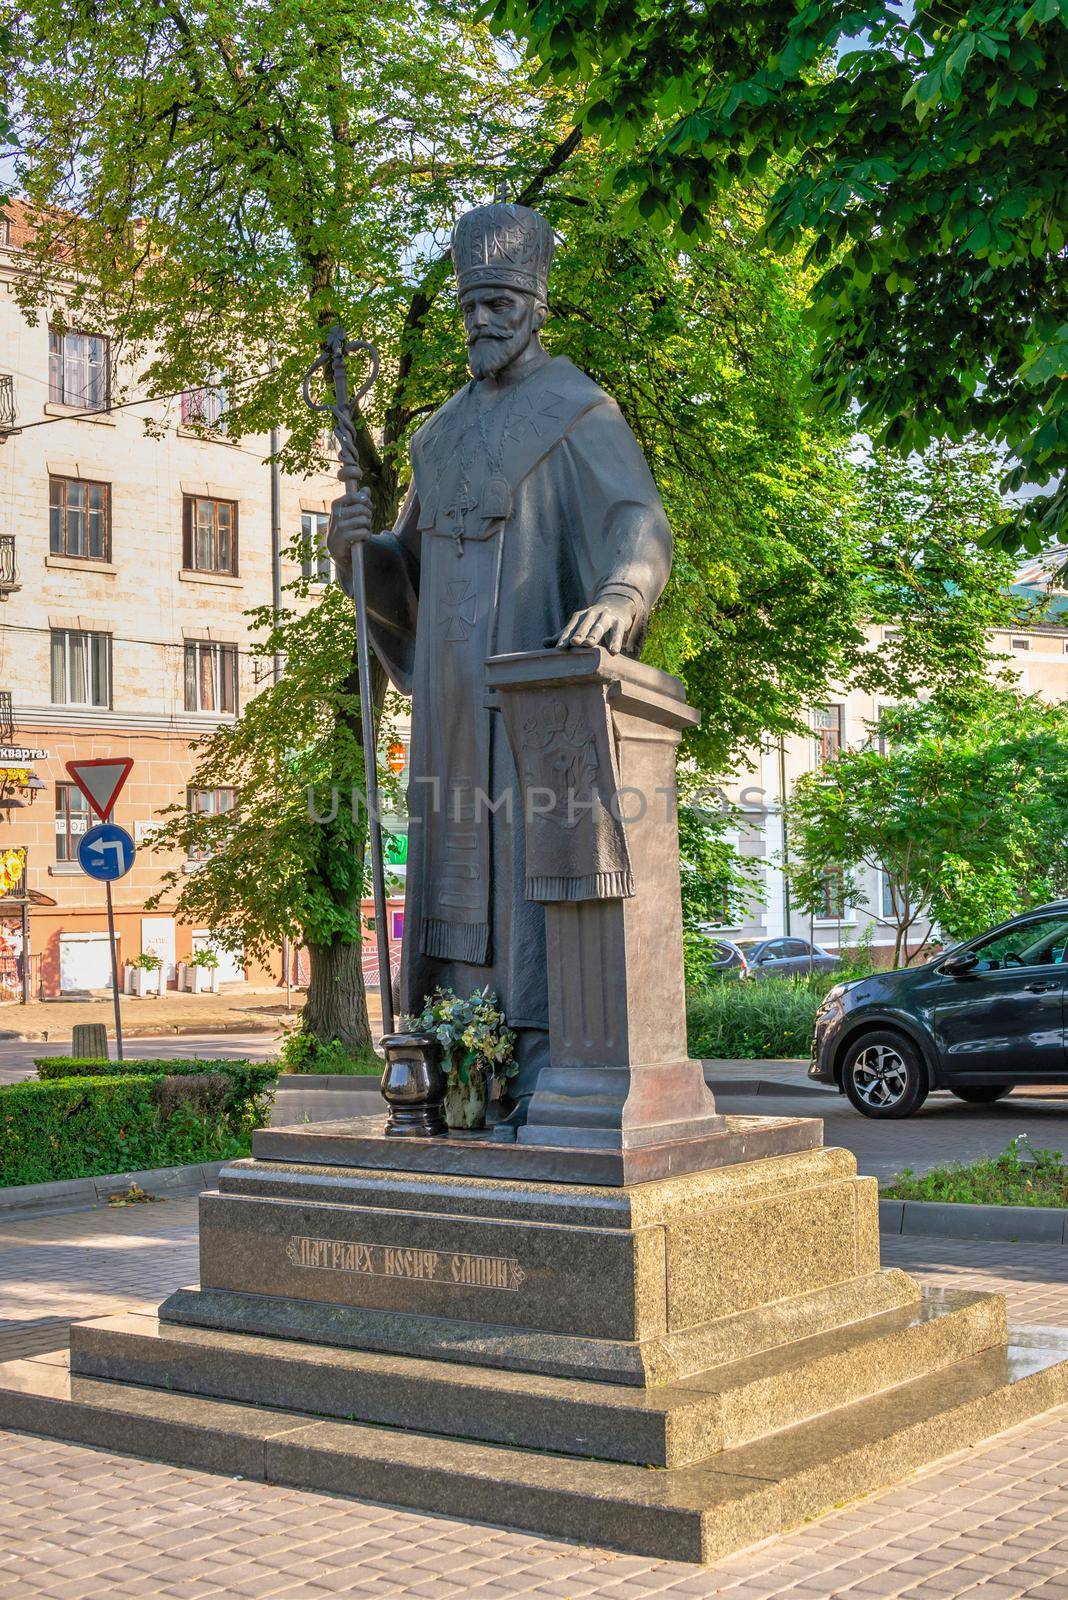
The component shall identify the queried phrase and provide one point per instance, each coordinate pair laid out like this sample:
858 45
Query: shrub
755 1019
79 1127
304 1052
248 1101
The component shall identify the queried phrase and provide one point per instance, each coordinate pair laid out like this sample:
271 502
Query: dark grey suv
977 1020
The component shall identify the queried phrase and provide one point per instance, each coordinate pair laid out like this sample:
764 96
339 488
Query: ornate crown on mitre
505 245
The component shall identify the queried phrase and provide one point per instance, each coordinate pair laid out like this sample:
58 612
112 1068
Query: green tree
718 884
220 187
929 578
926 173
962 812
288 861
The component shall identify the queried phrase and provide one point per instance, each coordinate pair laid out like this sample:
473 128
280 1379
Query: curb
758 1086
79 1193
948 1220
355 1082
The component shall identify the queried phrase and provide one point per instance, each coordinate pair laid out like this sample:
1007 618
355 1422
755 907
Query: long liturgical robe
527 503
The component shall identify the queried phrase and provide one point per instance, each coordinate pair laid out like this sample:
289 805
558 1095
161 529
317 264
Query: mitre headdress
502 245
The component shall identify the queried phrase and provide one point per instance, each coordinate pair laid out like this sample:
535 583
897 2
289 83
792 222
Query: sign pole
114 972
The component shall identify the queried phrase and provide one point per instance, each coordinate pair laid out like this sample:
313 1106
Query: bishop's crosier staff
337 346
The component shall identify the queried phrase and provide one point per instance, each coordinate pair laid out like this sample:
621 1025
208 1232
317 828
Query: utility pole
276 599
276 531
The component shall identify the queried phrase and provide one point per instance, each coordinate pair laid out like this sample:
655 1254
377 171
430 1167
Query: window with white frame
79 370
210 676
208 803
81 668
205 408
315 558
72 820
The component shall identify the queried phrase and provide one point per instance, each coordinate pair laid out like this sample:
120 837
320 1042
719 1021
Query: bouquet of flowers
472 1034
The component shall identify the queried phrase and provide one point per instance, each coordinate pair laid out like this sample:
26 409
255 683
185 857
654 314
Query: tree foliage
288 861
919 152
930 580
963 813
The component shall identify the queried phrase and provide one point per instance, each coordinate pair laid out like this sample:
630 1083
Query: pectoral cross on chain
456 512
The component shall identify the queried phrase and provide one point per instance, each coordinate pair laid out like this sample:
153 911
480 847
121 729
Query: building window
1021 644
72 820
81 668
315 560
827 726
889 910
209 535
831 905
79 519
205 408
5 231
78 370
208 803
210 676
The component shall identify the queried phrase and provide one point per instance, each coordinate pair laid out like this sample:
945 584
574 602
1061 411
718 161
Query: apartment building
1037 655
127 563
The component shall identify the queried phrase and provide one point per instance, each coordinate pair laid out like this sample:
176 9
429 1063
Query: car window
1031 944
775 950
795 947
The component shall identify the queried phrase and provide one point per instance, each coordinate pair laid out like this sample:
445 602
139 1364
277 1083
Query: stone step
667 1426
697 1513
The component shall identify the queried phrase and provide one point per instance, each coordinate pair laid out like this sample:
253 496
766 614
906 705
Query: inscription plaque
399 1261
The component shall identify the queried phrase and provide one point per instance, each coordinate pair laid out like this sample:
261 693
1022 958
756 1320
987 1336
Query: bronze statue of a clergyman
532 517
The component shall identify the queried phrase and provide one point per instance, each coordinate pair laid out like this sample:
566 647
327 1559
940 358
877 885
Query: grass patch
1039 1179
754 1019
303 1053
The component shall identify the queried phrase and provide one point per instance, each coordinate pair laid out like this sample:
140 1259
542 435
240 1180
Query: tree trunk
336 1007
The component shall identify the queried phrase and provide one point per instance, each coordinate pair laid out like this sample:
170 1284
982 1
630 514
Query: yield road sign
106 852
100 781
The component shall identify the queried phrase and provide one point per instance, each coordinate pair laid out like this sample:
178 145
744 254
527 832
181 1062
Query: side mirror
960 965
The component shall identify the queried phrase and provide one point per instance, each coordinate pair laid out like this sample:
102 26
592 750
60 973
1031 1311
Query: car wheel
883 1075
982 1094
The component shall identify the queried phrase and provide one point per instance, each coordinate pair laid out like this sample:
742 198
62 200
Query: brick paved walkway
79 1524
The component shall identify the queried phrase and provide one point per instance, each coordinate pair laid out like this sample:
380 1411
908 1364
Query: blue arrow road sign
106 852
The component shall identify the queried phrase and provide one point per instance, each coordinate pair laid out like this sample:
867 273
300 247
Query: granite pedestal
642 1323
678 1367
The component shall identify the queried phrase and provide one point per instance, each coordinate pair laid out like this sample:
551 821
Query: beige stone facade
121 627
1039 658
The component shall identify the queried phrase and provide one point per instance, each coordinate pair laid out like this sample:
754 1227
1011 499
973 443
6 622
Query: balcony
9 572
7 402
7 719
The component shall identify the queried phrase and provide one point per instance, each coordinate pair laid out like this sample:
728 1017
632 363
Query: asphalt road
17 1055
944 1130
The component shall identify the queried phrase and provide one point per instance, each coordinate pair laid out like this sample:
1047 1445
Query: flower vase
465 1103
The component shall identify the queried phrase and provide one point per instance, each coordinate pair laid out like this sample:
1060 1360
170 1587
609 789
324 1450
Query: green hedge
80 1126
246 1105
753 1019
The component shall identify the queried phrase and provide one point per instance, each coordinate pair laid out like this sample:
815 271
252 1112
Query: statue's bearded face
499 324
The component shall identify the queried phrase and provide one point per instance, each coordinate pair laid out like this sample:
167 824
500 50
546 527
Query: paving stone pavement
79 1524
